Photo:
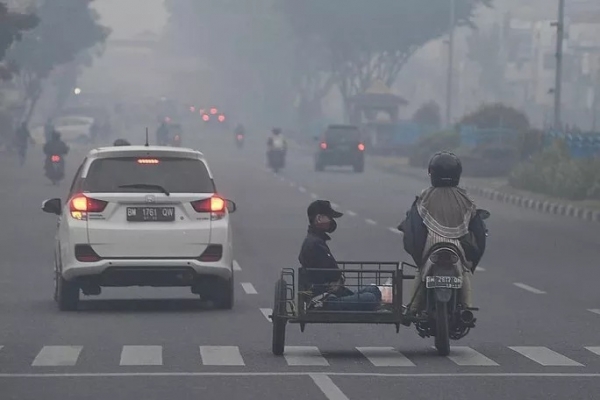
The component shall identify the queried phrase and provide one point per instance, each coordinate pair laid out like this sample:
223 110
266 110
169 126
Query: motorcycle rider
443 213
55 147
162 134
276 143
327 287
239 130
121 142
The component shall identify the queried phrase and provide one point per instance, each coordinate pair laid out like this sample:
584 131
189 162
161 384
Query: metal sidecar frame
292 298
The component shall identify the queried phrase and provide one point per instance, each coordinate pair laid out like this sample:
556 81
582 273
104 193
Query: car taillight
55 158
361 147
213 253
81 205
323 145
213 111
205 118
221 118
240 137
213 204
177 137
85 253
147 161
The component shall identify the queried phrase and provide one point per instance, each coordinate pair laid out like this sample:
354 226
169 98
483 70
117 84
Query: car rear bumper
146 272
340 158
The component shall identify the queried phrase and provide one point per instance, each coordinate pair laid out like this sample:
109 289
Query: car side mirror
52 206
231 206
483 214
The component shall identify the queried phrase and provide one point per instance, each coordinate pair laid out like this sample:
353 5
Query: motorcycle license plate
449 282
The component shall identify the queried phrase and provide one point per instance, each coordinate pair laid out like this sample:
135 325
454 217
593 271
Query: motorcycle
55 168
445 317
239 140
276 158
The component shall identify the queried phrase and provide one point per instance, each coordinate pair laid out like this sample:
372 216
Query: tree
429 115
67 28
368 41
12 26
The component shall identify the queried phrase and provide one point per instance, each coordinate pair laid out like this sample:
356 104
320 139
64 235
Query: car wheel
224 299
67 294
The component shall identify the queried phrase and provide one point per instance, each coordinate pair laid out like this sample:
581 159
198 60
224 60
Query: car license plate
150 214
450 282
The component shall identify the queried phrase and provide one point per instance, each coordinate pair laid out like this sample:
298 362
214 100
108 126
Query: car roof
340 126
144 151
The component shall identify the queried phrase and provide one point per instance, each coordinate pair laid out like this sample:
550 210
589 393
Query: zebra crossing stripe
57 356
466 356
141 355
221 355
594 349
266 312
545 356
304 356
385 357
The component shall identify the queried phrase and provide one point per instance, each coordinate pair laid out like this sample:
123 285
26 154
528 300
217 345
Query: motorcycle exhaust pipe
466 317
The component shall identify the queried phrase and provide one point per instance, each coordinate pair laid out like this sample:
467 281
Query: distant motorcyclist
162 134
277 141
327 287
239 130
121 142
443 213
55 146
22 139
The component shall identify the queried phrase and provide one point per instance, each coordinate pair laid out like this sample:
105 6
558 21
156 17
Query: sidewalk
499 190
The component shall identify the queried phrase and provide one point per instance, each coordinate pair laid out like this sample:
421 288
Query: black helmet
121 142
444 169
276 131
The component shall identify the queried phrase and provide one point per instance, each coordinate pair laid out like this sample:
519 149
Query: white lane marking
314 196
370 221
248 288
466 356
302 189
595 310
528 288
236 266
546 357
304 355
141 355
385 357
53 356
594 349
394 230
266 312
349 374
480 269
221 355
335 205
292 184
351 213
329 389
282 179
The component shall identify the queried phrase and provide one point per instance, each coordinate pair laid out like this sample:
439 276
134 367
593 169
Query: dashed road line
304 356
545 356
595 310
221 355
302 189
370 221
55 356
528 288
266 312
236 266
314 196
351 213
141 355
248 288
292 184
329 389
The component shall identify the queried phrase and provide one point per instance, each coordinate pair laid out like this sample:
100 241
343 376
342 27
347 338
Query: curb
547 207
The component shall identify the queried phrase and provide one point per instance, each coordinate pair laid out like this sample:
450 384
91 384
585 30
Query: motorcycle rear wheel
442 329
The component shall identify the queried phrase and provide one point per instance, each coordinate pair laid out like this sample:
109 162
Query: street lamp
560 25
450 63
77 91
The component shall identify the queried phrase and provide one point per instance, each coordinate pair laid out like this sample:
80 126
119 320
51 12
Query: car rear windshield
342 135
176 175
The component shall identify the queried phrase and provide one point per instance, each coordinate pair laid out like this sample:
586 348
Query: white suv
143 216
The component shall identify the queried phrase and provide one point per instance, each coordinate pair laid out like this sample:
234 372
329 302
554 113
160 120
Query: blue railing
579 145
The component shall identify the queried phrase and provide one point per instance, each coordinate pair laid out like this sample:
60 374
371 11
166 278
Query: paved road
535 339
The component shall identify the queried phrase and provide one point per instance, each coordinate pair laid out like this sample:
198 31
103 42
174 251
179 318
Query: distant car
143 216
340 145
213 115
74 128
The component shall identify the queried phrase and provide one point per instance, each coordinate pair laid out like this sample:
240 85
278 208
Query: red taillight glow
55 158
167 119
221 118
323 145
193 109
177 137
147 161
80 205
213 204
205 117
240 137
361 147
213 111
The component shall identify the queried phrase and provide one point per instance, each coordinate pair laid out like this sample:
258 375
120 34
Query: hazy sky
130 17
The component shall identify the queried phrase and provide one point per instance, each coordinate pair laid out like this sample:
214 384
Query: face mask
332 226
325 223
